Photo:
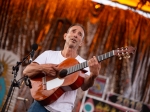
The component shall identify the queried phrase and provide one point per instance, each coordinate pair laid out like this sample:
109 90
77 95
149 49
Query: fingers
54 65
93 61
50 69
94 66
55 68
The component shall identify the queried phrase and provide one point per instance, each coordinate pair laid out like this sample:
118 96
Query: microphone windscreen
34 47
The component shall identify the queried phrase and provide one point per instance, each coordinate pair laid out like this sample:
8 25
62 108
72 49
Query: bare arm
34 69
94 72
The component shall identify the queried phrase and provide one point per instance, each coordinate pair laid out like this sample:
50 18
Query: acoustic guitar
46 89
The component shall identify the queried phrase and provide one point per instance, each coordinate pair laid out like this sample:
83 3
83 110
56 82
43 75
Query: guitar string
84 64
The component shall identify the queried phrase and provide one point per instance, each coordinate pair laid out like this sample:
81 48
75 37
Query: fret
67 70
102 57
98 58
85 64
82 65
78 67
113 53
70 69
73 69
107 55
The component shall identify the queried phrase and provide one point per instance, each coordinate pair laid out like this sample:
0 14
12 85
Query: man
47 62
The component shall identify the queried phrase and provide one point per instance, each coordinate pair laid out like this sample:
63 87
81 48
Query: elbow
84 88
25 73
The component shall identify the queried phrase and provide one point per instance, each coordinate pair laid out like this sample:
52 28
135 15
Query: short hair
77 24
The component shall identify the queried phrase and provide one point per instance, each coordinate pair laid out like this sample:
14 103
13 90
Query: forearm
94 72
32 70
40 69
88 82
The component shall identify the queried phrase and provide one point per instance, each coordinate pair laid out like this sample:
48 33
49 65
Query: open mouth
73 40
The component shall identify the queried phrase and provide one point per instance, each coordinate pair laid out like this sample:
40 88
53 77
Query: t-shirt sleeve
41 59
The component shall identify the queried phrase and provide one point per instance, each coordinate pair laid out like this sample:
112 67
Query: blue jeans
37 107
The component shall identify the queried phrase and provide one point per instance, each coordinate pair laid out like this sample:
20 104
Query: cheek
80 42
66 37
80 39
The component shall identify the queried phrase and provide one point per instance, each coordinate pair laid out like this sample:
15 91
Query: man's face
74 36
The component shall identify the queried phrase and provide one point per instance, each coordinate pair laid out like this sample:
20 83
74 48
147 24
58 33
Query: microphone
34 48
63 73
23 99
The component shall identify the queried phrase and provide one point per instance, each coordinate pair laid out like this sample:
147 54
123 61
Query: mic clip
31 56
27 82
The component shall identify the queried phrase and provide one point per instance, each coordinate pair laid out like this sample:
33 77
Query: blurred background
109 24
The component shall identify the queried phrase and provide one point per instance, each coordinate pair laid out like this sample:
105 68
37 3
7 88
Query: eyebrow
79 31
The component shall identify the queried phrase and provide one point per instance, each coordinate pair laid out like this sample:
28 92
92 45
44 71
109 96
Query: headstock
124 52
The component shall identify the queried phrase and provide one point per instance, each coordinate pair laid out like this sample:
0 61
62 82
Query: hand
94 67
50 69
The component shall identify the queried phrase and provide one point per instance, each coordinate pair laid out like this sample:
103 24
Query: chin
71 46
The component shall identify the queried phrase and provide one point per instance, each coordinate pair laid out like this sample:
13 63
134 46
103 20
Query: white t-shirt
64 103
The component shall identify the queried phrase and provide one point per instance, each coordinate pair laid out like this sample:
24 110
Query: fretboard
85 64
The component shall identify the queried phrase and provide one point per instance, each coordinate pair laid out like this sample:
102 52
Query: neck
69 52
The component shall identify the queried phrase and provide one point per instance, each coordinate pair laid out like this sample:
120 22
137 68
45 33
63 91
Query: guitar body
73 81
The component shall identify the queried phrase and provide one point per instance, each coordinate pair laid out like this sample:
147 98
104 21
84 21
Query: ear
65 36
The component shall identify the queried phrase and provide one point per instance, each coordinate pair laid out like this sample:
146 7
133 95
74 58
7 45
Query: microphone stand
15 83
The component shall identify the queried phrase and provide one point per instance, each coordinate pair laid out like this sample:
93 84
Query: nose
75 35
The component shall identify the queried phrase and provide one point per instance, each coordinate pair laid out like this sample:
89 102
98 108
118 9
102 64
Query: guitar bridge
44 82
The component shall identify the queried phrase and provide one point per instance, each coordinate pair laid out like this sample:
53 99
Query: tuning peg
125 56
128 56
118 50
120 58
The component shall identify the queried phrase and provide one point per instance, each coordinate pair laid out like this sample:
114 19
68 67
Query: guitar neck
85 64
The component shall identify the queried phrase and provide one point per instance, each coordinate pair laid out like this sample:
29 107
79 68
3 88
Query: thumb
56 68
